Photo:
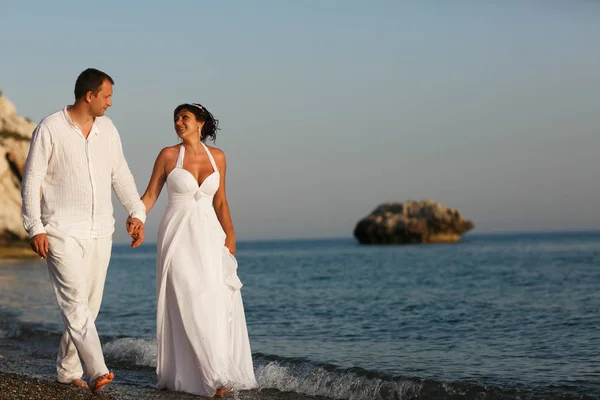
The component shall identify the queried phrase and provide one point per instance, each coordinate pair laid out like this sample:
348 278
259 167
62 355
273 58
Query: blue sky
331 107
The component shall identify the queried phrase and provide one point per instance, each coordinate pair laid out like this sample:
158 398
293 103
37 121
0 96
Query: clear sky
330 107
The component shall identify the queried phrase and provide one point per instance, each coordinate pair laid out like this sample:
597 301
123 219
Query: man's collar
94 130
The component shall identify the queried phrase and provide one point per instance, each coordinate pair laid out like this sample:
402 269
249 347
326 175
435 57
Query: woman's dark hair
90 80
211 124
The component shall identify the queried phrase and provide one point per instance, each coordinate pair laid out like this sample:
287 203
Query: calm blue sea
496 316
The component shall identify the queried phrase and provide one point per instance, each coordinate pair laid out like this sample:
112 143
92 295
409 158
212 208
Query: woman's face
186 124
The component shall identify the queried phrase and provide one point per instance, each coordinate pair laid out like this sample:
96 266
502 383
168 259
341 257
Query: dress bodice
182 186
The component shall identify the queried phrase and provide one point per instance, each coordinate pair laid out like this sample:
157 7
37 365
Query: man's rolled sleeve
34 173
124 184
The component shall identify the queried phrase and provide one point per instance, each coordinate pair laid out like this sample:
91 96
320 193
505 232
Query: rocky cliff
412 222
15 133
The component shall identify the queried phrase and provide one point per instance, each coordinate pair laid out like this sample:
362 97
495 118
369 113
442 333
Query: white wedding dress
201 328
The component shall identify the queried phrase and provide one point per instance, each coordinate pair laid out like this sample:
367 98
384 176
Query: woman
203 345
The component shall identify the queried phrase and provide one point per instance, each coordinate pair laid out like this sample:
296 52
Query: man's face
101 101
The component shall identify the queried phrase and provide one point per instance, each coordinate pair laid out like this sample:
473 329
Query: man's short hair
90 80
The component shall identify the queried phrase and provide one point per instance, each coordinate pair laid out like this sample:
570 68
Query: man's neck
80 115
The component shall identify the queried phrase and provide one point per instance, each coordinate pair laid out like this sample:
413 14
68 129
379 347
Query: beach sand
23 377
18 386
15 386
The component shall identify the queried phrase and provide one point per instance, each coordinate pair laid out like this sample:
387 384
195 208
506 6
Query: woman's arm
220 201
155 185
157 180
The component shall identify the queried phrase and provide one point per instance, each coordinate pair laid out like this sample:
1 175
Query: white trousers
77 269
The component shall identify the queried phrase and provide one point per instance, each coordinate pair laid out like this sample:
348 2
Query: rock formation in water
15 133
412 222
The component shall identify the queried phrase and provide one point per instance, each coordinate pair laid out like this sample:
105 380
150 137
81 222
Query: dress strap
210 157
180 157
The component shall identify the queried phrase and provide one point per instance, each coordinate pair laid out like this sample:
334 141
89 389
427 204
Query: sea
497 316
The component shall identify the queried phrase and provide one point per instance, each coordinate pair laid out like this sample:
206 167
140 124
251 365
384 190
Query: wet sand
19 386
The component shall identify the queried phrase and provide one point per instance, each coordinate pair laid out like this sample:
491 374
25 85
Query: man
74 159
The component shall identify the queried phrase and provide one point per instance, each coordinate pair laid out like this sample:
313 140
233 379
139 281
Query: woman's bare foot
221 391
102 381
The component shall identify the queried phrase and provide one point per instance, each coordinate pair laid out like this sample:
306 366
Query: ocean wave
306 377
131 351
284 374
330 381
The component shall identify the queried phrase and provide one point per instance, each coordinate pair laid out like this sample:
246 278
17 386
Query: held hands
135 229
39 244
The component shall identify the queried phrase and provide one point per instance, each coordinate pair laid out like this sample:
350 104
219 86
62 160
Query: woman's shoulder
169 152
219 156
216 152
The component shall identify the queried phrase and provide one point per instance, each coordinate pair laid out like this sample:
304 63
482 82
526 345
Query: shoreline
21 386
16 251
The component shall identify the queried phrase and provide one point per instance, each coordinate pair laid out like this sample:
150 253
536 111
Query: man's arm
124 185
36 167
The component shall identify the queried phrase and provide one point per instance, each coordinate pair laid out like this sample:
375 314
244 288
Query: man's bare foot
80 383
222 391
102 381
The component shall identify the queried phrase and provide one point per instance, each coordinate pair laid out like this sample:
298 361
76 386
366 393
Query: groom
75 158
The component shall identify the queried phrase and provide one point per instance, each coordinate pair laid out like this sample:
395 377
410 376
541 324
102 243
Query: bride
203 345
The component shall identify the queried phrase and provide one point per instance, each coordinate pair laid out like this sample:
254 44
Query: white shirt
75 176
